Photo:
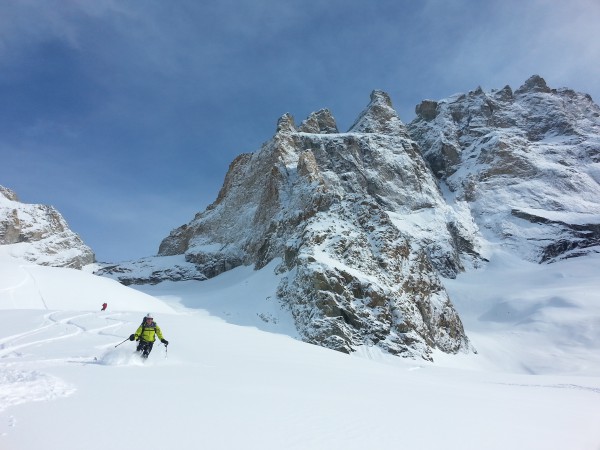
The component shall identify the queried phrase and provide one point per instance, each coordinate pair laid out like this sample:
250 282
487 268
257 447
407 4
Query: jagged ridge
525 162
363 230
318 199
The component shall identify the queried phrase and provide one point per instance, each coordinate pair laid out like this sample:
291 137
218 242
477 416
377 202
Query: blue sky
125 115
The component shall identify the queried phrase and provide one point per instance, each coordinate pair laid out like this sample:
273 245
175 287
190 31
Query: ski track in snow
17 351
67 325
557 386
35 283
280 394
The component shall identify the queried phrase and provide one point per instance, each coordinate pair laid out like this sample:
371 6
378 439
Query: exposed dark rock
427 109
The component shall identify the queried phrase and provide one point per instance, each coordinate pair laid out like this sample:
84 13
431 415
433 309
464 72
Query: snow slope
234 378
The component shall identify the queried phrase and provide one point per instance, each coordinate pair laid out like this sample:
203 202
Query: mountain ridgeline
364 223
527 164
40 234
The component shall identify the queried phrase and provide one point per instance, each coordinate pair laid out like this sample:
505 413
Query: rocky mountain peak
285 124
361 225
379 117
535 83
320 122
524 163
8 194
381 98
504 94
326 206
39 233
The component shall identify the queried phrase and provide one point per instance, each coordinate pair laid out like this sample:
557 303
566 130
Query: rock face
335 208
363 223
152 270
524 162
40 234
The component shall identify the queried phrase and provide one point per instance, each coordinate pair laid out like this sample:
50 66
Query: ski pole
121 342
165 351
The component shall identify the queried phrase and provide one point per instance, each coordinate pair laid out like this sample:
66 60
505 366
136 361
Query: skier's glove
164 341
132 337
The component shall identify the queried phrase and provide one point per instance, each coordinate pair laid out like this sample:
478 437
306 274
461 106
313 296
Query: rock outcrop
363 223
333 208
38 233
524 162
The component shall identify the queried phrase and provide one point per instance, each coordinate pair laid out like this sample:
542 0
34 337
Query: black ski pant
145 347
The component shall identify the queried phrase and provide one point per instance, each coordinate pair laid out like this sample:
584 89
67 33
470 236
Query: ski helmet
149 316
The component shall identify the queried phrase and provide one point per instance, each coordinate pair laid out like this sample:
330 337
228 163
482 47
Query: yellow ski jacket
148 333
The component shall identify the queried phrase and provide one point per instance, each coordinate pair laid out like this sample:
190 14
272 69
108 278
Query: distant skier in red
104 305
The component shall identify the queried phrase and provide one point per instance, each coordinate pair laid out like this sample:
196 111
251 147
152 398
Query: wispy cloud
503 42
152 98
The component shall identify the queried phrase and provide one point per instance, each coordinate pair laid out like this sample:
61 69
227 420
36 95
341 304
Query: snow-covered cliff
525 163
358 223
363 224
38 233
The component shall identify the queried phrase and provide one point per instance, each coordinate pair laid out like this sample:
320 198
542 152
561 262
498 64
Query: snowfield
234 377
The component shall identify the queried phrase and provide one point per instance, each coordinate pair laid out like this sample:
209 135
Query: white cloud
504 42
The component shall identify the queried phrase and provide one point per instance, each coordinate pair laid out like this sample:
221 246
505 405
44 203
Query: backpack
143 324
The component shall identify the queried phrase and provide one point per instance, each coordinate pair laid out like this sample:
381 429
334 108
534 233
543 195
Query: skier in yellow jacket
146 335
